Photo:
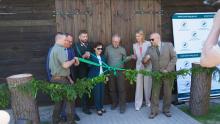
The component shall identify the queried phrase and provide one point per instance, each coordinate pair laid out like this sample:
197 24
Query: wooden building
27 27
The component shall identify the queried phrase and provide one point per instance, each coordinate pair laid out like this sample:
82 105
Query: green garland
58 92
4 96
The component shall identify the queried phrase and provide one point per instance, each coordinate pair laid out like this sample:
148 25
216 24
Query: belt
59 77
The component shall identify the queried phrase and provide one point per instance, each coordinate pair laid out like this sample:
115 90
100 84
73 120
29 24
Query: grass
213 117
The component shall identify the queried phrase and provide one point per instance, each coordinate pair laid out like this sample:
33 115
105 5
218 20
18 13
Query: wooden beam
7 23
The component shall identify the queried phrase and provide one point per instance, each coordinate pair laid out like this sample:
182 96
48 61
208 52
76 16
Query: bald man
163 59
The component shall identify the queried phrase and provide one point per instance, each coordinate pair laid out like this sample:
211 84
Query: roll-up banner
190 30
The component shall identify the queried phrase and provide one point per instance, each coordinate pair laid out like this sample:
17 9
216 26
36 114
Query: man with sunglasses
163 59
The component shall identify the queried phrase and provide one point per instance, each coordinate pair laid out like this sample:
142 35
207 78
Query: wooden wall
103 18
26 32
26 29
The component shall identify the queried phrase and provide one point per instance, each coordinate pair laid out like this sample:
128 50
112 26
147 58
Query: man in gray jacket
163 59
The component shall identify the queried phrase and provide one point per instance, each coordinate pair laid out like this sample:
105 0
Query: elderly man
82 50
115 54
60 71
211 49
163 59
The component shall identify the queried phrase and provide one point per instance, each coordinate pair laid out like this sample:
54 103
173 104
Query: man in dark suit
82 49
163 59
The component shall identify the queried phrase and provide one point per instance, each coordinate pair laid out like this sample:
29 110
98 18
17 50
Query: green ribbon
108 68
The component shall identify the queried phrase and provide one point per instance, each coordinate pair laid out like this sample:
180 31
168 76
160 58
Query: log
23 105
200 92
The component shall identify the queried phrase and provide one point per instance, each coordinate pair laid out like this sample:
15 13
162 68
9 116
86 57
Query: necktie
158 51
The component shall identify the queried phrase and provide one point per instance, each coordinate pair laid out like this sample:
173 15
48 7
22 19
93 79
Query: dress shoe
99 113
168 114
70 122
114 106
152 115
76 117
87 111
122 110
137 109
103 110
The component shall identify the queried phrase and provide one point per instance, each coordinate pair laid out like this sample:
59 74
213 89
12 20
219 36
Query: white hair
116 36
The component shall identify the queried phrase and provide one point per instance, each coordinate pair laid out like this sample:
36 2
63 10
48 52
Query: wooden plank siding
26 32
103 18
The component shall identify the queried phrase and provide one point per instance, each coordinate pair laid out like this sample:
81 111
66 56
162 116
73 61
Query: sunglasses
151 39
99 48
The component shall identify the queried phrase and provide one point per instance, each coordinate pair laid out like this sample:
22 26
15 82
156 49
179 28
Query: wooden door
92 15
103 18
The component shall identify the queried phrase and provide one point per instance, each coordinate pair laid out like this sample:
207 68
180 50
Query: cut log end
17 76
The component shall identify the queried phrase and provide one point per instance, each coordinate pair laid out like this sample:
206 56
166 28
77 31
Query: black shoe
87 111
168 114
63 118
99 113
70 122
152 115
103 110
114 106
122 110
76 117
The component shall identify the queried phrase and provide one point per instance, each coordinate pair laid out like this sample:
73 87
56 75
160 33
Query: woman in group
98 90
144 83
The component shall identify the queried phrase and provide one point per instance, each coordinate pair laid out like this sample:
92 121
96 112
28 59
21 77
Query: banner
190 30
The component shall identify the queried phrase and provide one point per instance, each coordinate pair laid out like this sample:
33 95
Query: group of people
64 67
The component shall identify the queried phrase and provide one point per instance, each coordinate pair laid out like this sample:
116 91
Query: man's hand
164 71
134 56
146 60
86 55
106 79
70 80
76 63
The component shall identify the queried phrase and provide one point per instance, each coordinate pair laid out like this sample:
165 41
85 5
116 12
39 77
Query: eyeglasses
99 48
151 39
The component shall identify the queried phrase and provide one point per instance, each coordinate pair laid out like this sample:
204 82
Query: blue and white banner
190 30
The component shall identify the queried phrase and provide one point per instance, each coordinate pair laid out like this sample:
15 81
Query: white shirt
100 62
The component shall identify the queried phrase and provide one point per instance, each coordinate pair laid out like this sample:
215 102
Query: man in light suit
163 59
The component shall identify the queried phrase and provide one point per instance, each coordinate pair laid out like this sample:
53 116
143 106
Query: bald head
59 38
155 39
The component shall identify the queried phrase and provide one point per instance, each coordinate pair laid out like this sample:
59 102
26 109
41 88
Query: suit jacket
80 49
95 70
136 49
166 60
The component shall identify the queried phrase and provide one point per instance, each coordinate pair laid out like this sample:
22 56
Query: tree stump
23 105
200 92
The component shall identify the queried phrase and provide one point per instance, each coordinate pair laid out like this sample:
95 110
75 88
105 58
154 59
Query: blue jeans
98 92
